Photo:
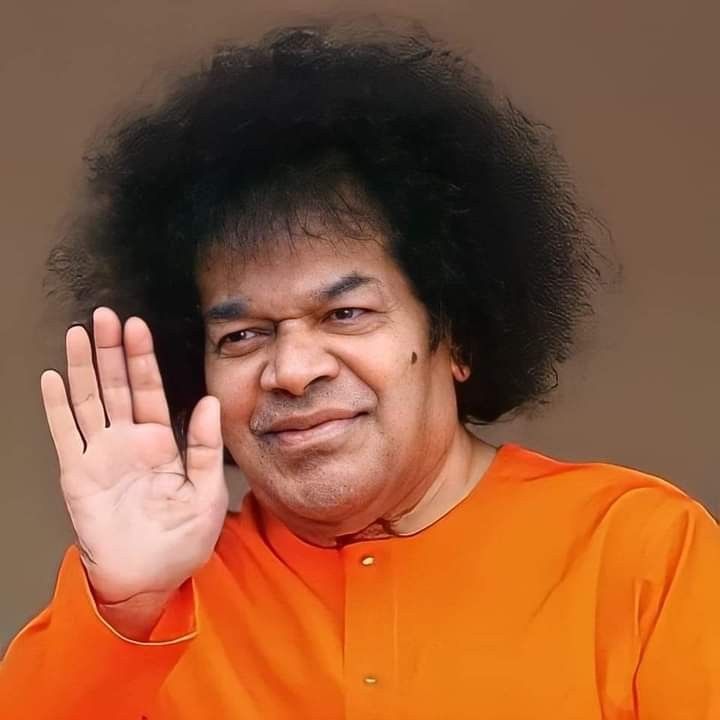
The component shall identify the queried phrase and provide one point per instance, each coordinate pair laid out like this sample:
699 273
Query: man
346 250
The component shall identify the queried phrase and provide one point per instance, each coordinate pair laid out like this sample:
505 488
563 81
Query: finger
148 396
204 457
66 437
84 391
110 357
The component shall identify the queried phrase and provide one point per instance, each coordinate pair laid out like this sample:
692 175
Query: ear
460 371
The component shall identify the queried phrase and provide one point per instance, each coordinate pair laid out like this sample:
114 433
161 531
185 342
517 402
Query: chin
326 503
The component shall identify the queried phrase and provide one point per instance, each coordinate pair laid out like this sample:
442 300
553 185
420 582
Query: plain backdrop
631 92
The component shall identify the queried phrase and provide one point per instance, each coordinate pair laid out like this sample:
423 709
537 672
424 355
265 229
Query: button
367 560
370 680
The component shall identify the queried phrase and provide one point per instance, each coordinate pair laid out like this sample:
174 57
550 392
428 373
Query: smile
321 433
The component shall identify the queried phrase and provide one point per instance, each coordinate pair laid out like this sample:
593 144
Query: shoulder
597 491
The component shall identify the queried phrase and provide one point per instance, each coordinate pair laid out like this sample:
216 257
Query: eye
345 314
239 336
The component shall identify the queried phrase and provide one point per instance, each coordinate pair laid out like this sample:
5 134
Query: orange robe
555 590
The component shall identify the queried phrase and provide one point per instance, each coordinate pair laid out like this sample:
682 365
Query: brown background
631 90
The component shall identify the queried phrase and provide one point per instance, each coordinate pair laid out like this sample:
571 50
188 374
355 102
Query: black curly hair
476 201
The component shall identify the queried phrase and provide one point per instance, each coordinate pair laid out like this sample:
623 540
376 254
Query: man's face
333 406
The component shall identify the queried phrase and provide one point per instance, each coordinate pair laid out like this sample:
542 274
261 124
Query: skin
313 327
346 334
146 518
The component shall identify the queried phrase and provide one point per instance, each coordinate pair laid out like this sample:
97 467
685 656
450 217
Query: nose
296 361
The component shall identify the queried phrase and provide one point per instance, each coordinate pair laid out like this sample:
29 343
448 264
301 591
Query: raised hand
145 522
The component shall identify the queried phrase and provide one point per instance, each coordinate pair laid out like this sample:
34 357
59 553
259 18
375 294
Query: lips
312 420
318 428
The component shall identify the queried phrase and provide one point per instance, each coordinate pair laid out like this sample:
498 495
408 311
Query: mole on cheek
413 358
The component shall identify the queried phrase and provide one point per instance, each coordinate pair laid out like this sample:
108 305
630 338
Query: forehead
297 270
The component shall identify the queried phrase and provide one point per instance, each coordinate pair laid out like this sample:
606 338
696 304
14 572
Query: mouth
322 432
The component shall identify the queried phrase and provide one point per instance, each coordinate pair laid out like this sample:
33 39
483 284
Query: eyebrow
344 285
232 309
237 308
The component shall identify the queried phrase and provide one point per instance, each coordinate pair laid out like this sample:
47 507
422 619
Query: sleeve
69 664
678 674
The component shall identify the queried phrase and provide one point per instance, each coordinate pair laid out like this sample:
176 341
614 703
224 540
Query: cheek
385 357
234 387
402 386
424 379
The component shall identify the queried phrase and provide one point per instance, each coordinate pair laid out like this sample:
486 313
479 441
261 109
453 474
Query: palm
144 520
129 448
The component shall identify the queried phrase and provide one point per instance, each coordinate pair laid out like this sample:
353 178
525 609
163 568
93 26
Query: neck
462 469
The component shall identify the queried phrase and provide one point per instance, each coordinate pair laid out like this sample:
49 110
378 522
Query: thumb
204 457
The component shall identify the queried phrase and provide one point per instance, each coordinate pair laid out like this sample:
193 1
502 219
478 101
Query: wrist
135 617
